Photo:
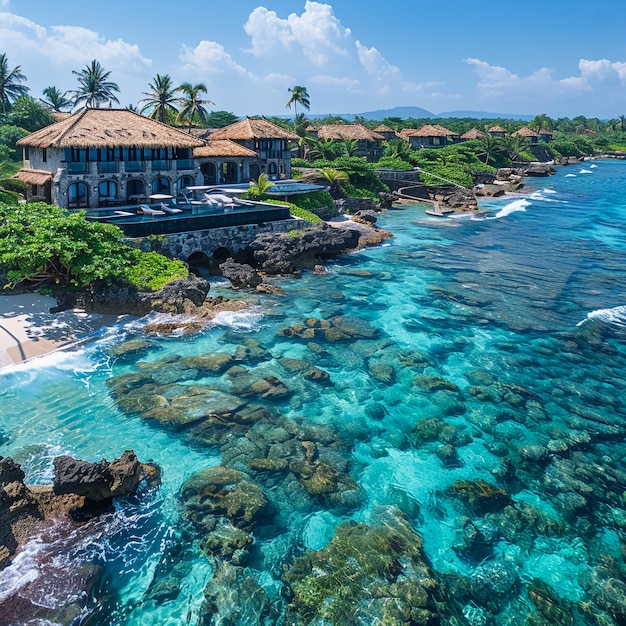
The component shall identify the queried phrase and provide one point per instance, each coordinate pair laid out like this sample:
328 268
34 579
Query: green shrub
42 244
314 200
393 163
151 271
8 197
13 184
296 211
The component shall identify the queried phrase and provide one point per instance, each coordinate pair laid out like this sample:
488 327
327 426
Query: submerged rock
480 496
365 575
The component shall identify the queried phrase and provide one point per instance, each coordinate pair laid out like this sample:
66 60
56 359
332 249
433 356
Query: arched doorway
228 173
182 183
161 185
254 170
78 196
209 171
134 187
107 192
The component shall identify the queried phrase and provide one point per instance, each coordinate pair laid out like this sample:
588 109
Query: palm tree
259 188
299 95
398 148
55 99
327 150
192 104
10 84
94 86
349 146
334 177
161 99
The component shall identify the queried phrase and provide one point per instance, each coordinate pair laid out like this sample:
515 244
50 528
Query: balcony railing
107 167
160 164
273 154
184 164
133 166
81 167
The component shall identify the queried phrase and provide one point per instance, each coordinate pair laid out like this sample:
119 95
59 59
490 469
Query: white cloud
602 69
375 64
209 57
494 80
317 33
59 45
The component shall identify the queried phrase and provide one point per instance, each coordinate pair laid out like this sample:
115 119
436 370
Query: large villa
112 157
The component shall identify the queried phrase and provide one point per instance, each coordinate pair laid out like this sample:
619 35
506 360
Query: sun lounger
144 209
123 213
166 208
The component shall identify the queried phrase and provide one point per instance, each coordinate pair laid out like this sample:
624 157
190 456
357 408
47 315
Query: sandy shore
29 330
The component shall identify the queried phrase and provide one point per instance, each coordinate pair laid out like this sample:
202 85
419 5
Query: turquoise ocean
472 352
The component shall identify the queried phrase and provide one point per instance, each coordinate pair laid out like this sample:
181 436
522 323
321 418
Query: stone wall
230 242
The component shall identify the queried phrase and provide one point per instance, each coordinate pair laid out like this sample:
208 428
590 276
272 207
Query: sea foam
516 205
615 316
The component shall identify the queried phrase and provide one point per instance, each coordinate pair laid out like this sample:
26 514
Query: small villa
527 133
428 136
473 133
268 141
497 131
387 133
369 143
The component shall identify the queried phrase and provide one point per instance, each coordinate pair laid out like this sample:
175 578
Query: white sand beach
29 330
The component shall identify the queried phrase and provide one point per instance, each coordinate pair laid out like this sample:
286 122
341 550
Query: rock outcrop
80 490
241 275
298 250
184 296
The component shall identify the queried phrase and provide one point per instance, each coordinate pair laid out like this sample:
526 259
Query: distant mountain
482 115
419 113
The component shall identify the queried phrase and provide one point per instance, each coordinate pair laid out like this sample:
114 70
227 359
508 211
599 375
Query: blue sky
563 58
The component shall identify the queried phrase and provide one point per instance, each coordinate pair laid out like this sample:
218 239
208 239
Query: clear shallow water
486 348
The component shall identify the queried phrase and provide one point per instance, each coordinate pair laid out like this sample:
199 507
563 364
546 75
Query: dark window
161 185
44 155
107 189
77 196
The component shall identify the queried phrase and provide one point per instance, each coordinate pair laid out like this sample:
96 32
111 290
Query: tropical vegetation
94 86
192 105
160 102
43 245
11 84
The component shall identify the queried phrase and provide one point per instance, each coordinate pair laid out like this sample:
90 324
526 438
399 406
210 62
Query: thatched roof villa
428 136
369 143
473 133
497 131
108 157
527 133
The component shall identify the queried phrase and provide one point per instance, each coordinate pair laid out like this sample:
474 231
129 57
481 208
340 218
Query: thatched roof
223 148
100 128
473 133
201 133
383 128
253 128
543 131
347 131
525 132
428 130
497 129
33 177
59 116
310 129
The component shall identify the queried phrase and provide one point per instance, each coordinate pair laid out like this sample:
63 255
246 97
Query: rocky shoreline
53 517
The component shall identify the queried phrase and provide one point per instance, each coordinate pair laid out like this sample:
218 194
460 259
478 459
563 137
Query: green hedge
297 211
